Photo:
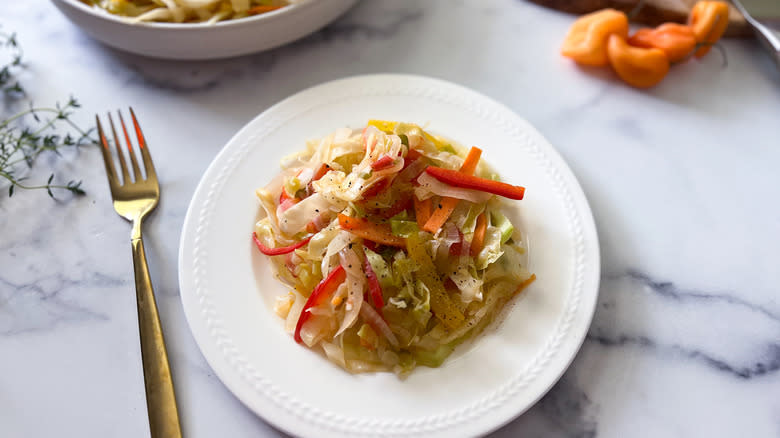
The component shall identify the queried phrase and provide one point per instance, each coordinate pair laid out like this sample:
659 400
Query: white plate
203 41
227 288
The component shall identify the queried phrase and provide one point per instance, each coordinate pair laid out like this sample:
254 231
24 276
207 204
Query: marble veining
681 179
669 290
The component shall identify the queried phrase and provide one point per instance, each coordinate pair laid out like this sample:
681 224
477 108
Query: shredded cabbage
397 305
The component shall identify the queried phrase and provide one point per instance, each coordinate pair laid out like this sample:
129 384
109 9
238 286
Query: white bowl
202 41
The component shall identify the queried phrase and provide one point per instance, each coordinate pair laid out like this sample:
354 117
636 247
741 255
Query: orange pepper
637 66
676 40
708 21
586 42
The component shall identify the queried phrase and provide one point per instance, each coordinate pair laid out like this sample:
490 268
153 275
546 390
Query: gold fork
134 200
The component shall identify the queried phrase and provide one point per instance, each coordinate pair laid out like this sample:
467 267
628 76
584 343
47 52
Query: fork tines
137 176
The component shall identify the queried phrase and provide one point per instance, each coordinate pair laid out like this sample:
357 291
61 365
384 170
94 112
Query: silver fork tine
133 160
107 159
125 175
150 173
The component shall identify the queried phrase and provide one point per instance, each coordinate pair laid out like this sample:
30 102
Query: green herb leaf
35 130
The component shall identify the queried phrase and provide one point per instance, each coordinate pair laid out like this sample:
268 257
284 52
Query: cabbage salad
393 244
187 11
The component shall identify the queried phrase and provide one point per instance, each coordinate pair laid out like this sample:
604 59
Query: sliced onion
315 329
341 241
414 169
275 185
295 312
356 282
373 319
320 221
294 219
284 206
430 186
448 237
305 175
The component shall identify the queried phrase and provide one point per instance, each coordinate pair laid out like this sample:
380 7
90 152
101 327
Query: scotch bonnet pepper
637 66
586 42
676 40
708 20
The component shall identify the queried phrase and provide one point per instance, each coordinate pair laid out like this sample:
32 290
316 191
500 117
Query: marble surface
682 180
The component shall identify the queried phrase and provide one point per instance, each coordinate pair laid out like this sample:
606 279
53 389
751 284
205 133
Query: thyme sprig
34 131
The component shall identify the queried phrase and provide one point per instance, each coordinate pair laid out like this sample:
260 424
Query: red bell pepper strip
376 188
278 250
459 179
374 288
411 157
397 207
318 296
383 162
457 247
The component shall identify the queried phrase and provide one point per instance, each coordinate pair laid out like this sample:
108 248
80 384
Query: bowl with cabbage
200 29
393 245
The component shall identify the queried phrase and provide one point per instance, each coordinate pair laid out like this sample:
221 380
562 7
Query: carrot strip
525 284
447 205
262 9
379 233
469 165
322 169
422 211
479 235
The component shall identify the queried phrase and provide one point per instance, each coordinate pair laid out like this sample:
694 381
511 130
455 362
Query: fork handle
160 398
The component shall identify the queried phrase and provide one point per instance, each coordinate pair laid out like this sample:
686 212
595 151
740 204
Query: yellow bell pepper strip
458 179
446 205
479 235
385 126
709 21
441 304
278 250
586 42
321 293
388 127
422 211
379 233
637 66
676 40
